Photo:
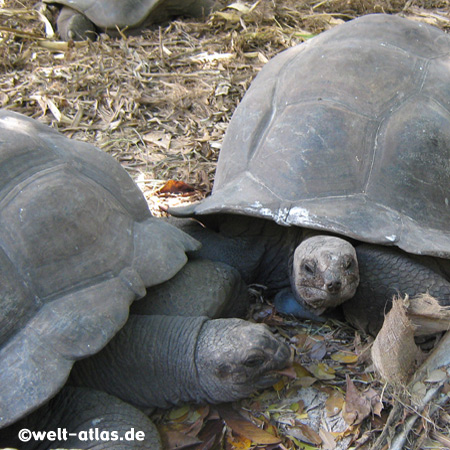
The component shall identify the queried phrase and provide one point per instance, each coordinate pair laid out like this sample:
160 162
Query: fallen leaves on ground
305 412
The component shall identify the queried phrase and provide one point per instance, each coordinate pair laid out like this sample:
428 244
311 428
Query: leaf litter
160 104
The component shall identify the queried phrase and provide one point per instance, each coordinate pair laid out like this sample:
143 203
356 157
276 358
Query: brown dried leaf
179 414
375 401
357 406
298 407
334 404
239 442
301 371
436 376
159 138
211 434
300 340
318 351
345 357
306 381
328 440
177 440
244 427
176 188
305 433
322 371
279 385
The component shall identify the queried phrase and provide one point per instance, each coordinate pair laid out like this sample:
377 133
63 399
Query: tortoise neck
149 363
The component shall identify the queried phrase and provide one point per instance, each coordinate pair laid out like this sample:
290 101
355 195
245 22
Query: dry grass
160 103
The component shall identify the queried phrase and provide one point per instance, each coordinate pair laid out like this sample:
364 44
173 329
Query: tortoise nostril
334 286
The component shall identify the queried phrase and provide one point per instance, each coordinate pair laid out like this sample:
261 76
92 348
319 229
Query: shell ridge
389 111
332 101
437 103
27 178
267 120
265 124
261 183
425 71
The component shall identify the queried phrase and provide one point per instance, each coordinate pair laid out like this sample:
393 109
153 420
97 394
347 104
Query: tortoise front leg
74 26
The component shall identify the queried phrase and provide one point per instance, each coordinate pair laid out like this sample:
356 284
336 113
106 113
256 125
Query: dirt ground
160 103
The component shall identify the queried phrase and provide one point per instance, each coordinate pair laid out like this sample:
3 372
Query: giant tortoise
77 246
346 135
82 19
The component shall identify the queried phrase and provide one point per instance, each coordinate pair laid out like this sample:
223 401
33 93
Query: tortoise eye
349 264
309 268
254 361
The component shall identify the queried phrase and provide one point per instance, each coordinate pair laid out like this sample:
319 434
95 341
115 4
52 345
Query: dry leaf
289 372
306 381
334 404
177 440
345 357
419 389
357 406
210 434
228 17
179 414
176 187
240 7
436 376
322 371
375 401
244 427
159 138
297 407
239 442
301 371
305 433
279 385
318 351
328 440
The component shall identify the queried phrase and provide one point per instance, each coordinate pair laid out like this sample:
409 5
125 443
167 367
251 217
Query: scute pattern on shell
77 246
348 133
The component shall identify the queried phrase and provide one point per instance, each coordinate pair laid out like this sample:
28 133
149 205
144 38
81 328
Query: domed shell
348 133
109 14
77 246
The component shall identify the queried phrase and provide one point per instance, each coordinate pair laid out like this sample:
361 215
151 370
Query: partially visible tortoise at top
82 19
77 246
347 134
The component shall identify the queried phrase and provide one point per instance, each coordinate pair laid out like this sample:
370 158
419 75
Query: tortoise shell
349 133
109 14
77 245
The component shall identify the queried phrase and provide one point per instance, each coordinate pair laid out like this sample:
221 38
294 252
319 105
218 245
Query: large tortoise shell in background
109 14
77 246
348 133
